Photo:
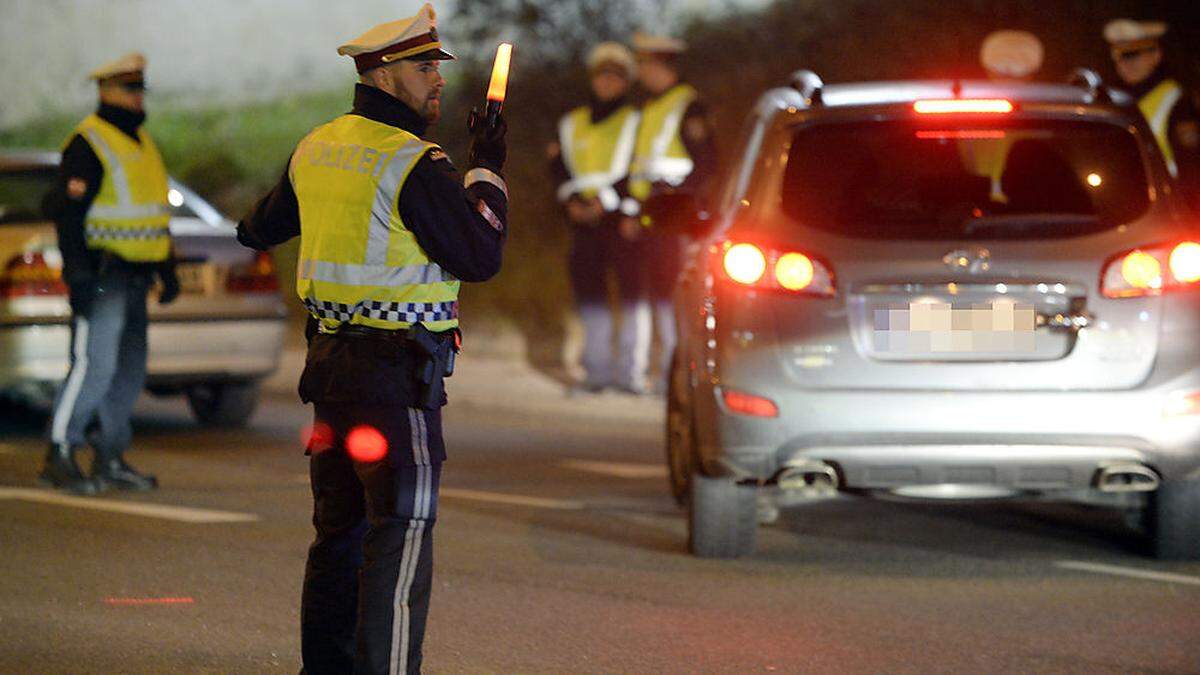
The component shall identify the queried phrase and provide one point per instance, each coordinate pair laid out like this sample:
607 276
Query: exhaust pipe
1127 478
811 476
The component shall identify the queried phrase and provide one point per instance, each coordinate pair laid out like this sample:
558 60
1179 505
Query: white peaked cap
413 37
1012 53
1121 31
133 62
612 53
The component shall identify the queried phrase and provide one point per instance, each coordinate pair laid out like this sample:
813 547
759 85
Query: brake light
968 106
257 276
1152 270
749 404
761 268
28 274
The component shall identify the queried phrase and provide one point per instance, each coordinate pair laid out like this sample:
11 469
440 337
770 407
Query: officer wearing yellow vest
388 230
1169 109
109 205
674 157
590 164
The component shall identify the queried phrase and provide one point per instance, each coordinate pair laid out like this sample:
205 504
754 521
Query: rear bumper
1025 440
180 351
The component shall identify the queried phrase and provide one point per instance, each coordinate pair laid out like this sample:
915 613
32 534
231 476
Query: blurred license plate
943 327
195 278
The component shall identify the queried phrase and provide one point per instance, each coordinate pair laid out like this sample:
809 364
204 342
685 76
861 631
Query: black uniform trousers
369 573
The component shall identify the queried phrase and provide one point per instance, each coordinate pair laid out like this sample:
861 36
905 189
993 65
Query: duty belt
438 351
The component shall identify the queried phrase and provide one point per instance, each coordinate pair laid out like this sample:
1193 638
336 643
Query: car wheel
1174 519
680 434
223 404
722 517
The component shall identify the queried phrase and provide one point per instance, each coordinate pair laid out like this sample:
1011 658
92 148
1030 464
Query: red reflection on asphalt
317 437
149 601
366 444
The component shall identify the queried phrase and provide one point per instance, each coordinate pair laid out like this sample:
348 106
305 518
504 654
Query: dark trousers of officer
596 252
662 260
369 573
108 363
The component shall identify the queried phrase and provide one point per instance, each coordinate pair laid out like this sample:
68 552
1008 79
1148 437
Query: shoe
586 389
61 471
632 389
117 474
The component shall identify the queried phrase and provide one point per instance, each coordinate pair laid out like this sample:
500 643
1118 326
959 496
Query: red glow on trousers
317 437
366 444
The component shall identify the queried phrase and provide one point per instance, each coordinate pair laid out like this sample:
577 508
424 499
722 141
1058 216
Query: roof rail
809 85
1090 80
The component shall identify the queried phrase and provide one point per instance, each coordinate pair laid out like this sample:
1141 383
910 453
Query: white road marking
617 469
1132 572
180 514
515 500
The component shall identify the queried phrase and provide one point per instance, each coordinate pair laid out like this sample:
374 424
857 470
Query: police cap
415 37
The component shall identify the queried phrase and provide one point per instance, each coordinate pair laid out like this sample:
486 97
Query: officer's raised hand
488 148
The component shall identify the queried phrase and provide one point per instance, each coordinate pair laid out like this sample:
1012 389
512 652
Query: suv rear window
21 192
949 180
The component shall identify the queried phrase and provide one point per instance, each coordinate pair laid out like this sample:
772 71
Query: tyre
1174 519
223 404
681 449
722 517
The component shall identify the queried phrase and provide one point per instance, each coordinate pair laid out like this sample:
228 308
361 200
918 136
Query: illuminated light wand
498 86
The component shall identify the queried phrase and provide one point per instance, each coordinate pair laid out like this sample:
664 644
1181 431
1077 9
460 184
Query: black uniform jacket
444 217
67 202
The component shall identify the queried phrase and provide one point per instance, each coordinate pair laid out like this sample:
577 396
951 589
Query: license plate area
963 322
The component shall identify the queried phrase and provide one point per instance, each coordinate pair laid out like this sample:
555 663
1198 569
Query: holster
437 355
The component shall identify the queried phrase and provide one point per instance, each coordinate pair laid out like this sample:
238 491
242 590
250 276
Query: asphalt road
557 550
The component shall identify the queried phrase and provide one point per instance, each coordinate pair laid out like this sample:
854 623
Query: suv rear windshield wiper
1062 223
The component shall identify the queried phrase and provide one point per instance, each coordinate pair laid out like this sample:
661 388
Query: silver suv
941 290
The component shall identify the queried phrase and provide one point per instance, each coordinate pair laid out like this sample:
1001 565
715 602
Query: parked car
941 290
214 344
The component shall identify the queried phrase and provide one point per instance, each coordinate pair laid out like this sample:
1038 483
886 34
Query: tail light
257 276
1152 270
964 106
748 404
28 274
753 266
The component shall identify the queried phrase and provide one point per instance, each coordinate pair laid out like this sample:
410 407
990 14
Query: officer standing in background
387 232
590 165
109 206
675 159
1137 53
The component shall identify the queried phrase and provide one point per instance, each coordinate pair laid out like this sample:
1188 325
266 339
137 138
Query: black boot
61 471
114 472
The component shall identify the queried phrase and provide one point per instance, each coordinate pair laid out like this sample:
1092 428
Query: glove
488 148
170 283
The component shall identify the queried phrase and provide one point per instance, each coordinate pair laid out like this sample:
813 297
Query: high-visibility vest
596 155
359 262
130 214
660 155
1156 106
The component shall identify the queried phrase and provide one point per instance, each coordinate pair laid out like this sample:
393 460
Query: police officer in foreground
1136 50
674 160
590 164
109 206
388 230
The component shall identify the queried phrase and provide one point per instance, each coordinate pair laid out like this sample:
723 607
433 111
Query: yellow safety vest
596 155
359 263
1156 106
130 214
660 155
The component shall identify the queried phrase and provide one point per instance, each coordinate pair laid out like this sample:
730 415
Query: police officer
1137 53
109 206
590 165
388 229
674 157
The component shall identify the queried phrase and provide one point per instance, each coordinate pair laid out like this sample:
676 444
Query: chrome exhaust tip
1127 478
809 476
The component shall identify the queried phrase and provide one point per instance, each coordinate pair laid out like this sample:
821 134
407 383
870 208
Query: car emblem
973 260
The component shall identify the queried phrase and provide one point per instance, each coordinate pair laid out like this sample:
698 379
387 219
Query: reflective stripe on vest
597 155
359 263
1156 106
130 215
660 155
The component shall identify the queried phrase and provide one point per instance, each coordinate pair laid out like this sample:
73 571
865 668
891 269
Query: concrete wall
199 51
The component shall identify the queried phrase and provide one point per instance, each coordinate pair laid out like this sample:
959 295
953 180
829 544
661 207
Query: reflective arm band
482 175
630 206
